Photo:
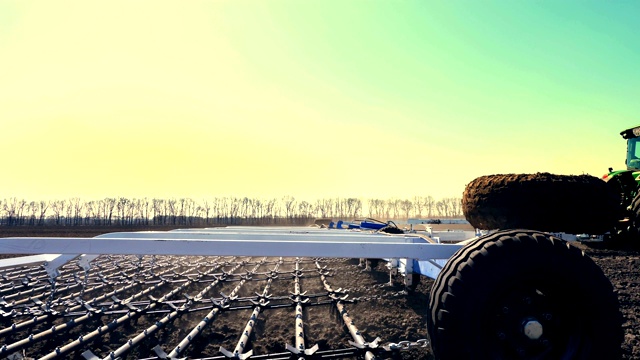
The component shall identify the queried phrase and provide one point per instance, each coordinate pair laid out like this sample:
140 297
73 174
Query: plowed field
194 306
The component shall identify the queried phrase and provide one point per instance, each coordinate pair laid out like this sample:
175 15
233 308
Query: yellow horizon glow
266 99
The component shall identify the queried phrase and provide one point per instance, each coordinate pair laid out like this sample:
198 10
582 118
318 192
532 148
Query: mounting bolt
546 343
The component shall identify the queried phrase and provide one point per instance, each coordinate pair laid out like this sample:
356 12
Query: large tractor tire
522 294
634 217
573 204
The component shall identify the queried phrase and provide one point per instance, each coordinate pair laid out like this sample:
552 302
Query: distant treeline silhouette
216 211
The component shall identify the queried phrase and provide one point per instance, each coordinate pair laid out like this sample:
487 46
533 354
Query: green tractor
534 295
626 182
570 204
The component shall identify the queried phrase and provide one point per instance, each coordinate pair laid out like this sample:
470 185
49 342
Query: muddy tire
634 216
625 185
573 204
522 294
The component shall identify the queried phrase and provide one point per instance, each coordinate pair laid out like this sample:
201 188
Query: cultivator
149 287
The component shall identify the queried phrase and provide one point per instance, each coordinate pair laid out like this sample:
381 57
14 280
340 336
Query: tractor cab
633 148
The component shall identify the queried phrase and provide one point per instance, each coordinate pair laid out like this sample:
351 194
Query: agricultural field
192 307
622 267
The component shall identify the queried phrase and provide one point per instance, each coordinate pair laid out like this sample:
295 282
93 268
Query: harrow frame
462 271
401 250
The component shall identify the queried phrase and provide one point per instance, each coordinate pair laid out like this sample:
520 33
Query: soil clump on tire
574 204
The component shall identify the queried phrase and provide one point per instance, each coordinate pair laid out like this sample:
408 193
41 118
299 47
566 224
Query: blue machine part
372 225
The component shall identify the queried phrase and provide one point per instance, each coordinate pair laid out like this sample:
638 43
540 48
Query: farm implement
510 294
519 292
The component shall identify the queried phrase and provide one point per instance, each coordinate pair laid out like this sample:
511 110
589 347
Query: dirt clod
574 204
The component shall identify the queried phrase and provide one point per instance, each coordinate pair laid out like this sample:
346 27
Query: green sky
309 98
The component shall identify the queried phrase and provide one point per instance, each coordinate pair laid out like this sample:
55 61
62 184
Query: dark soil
622 267
378 309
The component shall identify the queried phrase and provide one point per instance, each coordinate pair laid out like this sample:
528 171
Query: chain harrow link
367 292
370 288
407 345
49 302
85 281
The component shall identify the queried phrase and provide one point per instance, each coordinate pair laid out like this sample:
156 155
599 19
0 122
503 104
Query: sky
309 98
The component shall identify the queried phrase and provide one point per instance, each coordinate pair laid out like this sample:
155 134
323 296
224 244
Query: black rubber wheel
521 294
624 185
634 216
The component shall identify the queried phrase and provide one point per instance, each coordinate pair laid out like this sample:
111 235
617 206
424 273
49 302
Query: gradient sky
313 99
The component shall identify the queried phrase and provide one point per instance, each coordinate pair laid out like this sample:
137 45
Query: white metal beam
299 234
313 244
33 260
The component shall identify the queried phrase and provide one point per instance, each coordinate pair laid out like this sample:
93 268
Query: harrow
509 294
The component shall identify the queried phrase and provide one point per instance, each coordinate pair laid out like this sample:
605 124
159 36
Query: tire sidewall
490 270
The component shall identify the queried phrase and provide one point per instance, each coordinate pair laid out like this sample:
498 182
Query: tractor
568 204
536 296
626 182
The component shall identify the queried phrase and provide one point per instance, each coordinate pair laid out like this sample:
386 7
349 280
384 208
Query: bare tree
225 210
144 207
418 206
257 212
269 209
77 206
245 205
21 206
429 204
130 210
68 213
182 214
304 209
393 205
371 205
156 211
353 207
32 208
289 206
406 206
455 206
58 206
43 206
89 212
277 209
9 208
234 209
190 211
172 208
206 207
121 208
324 207
378 208
440 208
109 204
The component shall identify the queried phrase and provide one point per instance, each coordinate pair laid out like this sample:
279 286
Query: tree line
217 211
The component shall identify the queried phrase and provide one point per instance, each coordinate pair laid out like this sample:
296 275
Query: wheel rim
528 322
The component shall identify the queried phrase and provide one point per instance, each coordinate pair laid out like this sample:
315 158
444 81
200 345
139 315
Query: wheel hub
532 329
